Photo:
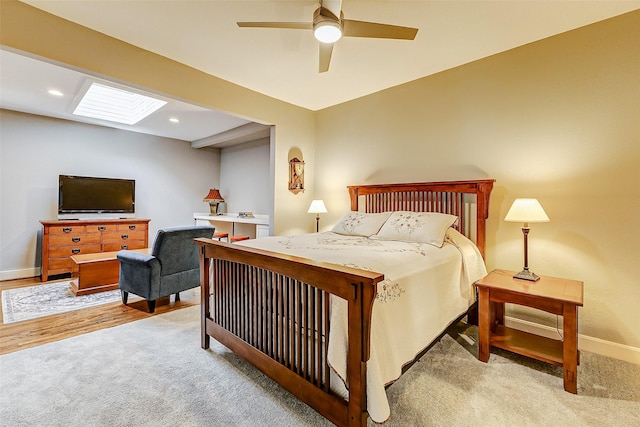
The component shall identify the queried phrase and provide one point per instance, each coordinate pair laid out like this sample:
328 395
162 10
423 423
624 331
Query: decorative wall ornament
296 175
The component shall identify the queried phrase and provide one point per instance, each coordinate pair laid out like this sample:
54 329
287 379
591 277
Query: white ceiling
25 81
283 63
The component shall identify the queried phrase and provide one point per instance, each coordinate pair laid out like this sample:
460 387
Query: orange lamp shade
213 196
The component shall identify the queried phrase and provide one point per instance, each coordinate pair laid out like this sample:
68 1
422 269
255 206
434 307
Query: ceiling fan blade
374 30
326 49
287 25
333 6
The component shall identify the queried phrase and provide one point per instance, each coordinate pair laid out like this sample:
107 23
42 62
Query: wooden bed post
483 194
205 264
353 195
360 310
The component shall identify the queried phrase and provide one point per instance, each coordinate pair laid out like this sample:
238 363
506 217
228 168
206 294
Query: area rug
44 300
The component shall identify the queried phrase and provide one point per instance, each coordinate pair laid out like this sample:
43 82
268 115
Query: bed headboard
446 197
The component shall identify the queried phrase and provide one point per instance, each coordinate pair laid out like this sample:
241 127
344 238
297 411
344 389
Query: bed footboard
273 310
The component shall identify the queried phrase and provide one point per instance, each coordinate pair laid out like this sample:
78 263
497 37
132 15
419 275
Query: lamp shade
526 210
317 206
213 196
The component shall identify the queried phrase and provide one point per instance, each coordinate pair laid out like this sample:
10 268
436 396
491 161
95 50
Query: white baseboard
19 274
586 343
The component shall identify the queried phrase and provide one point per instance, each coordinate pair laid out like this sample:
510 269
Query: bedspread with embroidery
424 290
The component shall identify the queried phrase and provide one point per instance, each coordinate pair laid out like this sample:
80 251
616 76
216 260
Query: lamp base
527 275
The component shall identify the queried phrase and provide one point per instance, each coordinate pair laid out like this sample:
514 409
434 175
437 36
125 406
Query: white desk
258 226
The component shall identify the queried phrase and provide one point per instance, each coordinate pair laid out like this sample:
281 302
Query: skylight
116 105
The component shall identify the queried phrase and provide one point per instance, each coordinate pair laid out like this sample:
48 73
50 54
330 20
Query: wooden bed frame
273 309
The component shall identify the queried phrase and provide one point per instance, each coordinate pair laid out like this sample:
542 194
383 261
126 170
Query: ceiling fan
328 29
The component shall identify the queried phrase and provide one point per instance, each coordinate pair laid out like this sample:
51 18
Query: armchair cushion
176 249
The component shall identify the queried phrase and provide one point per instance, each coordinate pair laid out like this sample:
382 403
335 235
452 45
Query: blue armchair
172 267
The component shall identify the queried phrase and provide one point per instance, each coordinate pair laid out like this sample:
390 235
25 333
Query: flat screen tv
80 195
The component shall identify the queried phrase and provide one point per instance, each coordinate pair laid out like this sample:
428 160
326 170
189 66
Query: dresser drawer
67 251
67 229
60 264
123 236
73 239
128 244
132 227
102 228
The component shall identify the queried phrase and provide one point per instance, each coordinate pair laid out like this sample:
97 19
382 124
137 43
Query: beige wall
35 32
558 120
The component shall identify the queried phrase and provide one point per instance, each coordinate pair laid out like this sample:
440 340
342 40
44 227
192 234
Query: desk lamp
214 198
526 211
317 207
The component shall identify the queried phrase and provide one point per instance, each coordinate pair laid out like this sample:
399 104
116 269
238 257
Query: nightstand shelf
561 297
527 344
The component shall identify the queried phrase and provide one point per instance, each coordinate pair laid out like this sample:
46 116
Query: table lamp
526 211
214 198
317 207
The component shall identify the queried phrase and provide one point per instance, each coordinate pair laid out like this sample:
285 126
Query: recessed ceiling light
116 105
174 120
55 92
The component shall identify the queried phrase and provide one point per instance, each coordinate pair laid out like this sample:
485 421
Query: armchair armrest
134 257
139 274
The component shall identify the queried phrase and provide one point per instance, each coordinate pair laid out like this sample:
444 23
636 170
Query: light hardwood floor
30 333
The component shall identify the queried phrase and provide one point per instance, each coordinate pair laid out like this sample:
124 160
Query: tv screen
83 194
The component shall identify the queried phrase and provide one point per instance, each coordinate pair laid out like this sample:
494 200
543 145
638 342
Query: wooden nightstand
550 294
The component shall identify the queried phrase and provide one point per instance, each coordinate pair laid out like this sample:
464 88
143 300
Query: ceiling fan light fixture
328 28
327 31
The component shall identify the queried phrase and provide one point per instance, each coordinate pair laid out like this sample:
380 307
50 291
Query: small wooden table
550 294
97 272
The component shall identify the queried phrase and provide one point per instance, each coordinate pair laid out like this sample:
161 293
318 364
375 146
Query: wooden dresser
63 238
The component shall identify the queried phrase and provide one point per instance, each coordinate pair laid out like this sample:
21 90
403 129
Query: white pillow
422 227
360 223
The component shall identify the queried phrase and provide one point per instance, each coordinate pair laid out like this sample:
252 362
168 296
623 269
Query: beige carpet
153 372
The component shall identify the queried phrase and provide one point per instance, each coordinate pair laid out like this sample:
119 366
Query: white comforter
424 290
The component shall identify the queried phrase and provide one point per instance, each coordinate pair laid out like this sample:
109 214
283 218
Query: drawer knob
67 229
124 246
75 239
75 251
125 236
101 228
132 227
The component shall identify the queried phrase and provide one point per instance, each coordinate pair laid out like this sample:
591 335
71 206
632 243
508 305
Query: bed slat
250 303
